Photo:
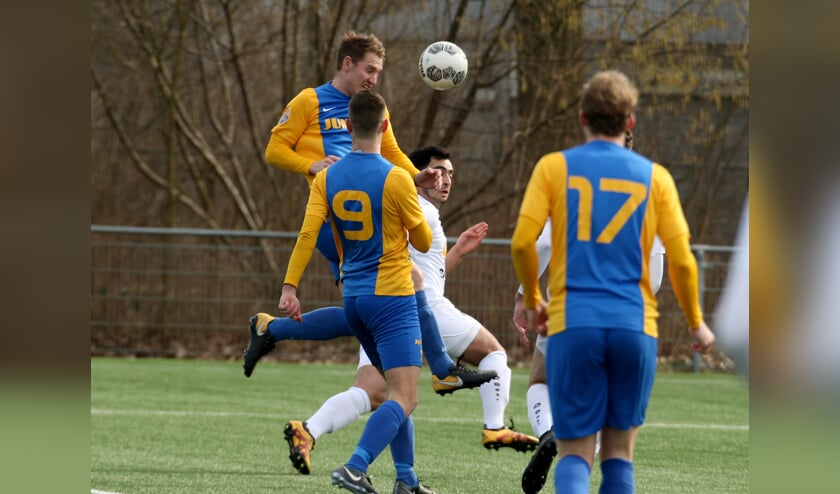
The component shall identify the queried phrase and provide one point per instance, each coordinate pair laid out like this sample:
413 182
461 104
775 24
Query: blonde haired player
607 204
536 399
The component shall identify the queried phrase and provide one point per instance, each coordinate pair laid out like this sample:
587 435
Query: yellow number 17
637 193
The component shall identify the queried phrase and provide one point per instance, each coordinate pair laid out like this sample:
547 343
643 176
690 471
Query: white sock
539 408
495 393
338 411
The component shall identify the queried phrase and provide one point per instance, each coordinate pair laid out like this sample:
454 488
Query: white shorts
457 329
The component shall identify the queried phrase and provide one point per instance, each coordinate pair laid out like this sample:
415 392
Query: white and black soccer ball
443 65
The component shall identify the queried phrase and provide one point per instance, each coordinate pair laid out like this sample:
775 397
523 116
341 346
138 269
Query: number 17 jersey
606 205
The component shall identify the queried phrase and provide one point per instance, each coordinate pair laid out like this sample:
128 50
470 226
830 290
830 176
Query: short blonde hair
607 101
356 46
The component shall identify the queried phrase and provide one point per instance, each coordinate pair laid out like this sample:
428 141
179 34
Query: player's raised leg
485 351
340 410
266 330
447 375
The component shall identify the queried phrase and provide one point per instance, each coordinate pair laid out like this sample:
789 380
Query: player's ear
631 122
582 119
384 126
347 63
349 126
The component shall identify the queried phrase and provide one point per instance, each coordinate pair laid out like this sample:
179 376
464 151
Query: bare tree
190 90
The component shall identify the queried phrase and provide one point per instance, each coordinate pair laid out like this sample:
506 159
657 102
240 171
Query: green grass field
182 426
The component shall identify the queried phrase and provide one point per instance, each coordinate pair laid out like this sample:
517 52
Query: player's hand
320 165
520 319
703 338
428 178
470 239
538 318
289 303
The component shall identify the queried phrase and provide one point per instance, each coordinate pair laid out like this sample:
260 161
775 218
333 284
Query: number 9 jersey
370 204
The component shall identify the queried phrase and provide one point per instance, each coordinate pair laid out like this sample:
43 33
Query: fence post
701 282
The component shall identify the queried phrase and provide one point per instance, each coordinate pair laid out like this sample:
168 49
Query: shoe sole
536 473
445 389
297 460
520 447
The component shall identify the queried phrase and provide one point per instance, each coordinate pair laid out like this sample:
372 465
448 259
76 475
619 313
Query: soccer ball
443 65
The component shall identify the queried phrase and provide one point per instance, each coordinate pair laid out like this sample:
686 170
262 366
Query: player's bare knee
409 404
377 398
369 379
481 346
616 443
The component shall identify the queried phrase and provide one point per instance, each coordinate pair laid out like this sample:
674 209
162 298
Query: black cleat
352 480
461 377
535 474
260 344
401 487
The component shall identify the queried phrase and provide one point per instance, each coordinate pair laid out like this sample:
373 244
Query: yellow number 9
364 217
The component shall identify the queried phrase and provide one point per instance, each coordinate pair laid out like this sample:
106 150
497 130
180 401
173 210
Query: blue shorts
598 377
326 246
388 329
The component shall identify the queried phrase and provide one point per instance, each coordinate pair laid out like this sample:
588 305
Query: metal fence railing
190 292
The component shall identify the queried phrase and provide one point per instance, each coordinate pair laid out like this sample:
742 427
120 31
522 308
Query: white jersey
432 263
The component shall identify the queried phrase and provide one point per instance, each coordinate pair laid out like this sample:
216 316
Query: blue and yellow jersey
314 125
606 205
366 200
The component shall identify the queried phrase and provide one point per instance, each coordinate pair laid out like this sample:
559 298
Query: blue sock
617 477
571 475
433 348
402 451
380 430
321 324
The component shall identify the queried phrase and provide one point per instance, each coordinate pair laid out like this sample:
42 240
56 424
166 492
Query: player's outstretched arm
468 241
428 178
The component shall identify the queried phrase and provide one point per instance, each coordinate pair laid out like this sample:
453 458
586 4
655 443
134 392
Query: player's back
605 251
370 233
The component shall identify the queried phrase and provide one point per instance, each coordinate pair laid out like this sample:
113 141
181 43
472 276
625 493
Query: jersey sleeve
672 229
682 270
280 151
391 150
543 251
533 214
317 212
671 220
400 189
